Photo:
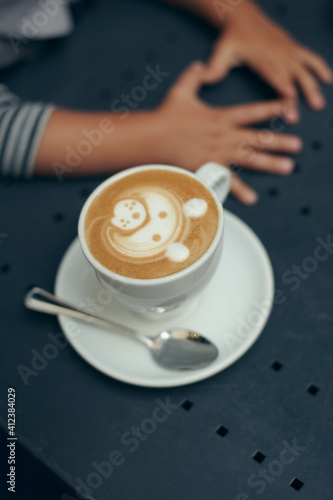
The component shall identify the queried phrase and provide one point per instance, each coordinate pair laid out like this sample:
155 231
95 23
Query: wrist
234 11
135 139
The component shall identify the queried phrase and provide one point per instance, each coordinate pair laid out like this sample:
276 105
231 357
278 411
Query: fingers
269 141
265 162
259 112
276 75
221 62
318 65
290 110
284 79
310 88
242 191
191 79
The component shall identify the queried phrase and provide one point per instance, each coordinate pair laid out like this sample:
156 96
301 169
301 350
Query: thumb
192 78
221 61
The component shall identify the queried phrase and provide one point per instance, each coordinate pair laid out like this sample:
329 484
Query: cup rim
150 281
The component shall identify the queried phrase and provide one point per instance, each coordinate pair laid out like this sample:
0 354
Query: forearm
216 12
79 143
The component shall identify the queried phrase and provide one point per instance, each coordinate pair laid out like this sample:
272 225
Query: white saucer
232 312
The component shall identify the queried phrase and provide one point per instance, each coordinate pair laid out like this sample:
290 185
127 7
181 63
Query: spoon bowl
182 349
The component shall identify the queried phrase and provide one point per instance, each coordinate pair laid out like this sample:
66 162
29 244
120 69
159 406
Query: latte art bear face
128 214
150 224
155 228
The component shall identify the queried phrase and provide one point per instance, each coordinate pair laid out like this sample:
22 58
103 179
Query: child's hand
189 133
251 38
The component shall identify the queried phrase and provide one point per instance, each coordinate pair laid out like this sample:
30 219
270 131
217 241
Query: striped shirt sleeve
21 129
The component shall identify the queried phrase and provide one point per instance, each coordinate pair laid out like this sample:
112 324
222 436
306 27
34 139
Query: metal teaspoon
175 348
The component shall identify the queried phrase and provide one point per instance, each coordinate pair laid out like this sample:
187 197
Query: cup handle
217 177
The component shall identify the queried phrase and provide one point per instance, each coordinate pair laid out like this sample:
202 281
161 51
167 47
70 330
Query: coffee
151 223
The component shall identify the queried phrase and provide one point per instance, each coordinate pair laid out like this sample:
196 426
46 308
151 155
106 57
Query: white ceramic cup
159 295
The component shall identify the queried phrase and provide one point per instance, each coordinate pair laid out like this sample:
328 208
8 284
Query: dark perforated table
261 428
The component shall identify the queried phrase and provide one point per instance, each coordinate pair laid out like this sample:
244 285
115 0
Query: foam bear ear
195 207
128 214
177 252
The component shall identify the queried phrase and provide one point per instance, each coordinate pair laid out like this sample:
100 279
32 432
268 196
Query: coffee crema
151 223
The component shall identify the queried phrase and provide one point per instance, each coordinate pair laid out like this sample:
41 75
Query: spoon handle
54 305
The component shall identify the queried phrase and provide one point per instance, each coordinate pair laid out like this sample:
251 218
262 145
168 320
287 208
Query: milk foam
151 223
154 227
195 207
177 252
128 214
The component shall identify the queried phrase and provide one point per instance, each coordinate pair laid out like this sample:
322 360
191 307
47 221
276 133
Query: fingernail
296 144
329 77
290 91
318 102
250 197
287 165
292 116
197 66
